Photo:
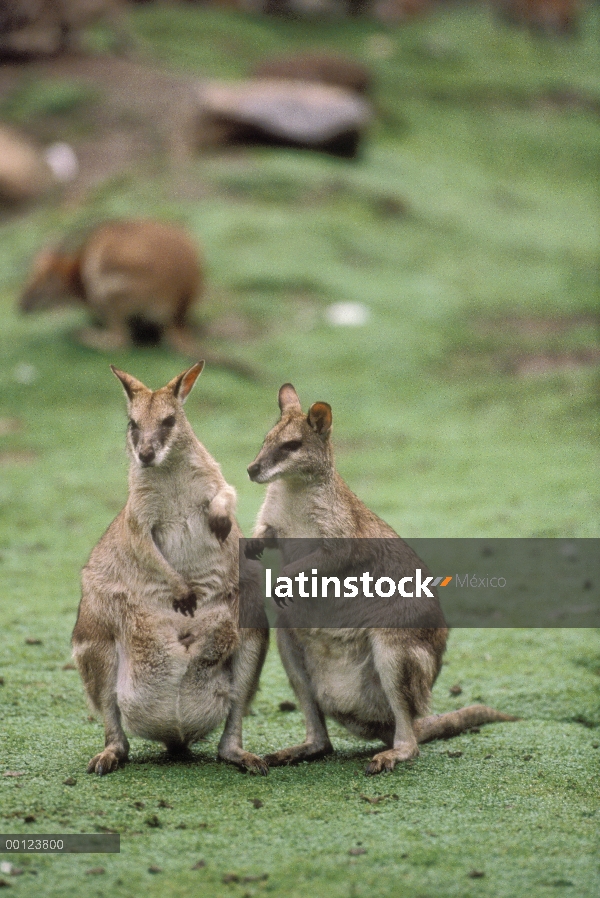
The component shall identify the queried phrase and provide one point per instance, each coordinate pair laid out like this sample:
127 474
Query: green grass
435 429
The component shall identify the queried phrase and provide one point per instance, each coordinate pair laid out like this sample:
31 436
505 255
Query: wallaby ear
320 418
183 383
131 385
288 399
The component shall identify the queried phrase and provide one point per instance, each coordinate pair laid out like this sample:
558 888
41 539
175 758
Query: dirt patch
10 425
535 364
12 457
535 326
531 346
553 100
231 326
135 112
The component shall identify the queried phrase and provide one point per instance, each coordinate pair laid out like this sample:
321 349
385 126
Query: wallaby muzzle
254 470
147 456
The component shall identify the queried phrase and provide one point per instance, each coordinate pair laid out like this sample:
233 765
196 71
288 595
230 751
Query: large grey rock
288 113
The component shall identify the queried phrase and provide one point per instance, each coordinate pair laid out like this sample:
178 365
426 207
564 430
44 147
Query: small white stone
347 314
62 160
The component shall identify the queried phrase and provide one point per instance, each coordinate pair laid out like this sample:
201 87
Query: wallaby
376 682
125 273
156 640
138 278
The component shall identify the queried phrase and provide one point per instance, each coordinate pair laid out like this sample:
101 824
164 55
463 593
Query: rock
284 113
323 68
24 173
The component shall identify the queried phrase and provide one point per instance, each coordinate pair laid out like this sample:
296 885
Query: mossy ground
467 227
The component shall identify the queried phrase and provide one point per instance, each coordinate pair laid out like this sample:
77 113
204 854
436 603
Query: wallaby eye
169 421
292 445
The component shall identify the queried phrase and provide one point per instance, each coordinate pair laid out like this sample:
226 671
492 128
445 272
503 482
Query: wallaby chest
175 510
297 513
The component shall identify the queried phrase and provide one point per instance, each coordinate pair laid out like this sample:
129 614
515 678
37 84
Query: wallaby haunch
156 639
376 682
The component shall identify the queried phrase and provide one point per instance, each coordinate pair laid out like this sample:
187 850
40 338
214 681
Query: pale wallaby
157 641
138 279
376 682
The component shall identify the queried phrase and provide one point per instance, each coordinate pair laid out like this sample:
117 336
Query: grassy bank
465 406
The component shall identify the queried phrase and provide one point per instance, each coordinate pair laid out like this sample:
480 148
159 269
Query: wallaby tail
445 726
183 340
236 366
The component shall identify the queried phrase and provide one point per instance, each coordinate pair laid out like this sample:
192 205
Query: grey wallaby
157 641
376 682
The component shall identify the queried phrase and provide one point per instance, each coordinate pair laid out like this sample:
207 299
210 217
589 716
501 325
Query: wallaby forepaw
254 548
186 605
387 760
104 763
220 526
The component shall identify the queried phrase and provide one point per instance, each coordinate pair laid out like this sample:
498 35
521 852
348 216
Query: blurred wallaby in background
131 275
138 278
157 640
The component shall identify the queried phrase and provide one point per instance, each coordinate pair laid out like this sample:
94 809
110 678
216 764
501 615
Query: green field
467 405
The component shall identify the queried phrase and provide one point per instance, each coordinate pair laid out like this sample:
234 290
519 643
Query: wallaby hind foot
387 760
108 760
438 726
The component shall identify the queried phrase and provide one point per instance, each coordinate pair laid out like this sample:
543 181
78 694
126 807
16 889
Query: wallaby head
157 423
299 446
53 281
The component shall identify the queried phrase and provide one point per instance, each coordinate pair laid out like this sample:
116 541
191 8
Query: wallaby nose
253 470
147 456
